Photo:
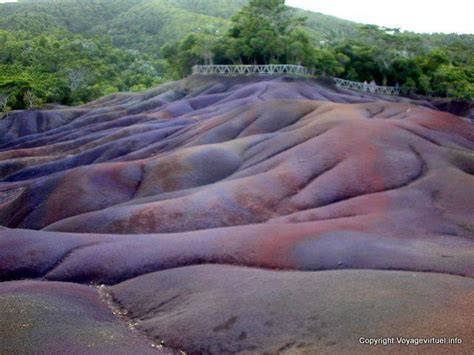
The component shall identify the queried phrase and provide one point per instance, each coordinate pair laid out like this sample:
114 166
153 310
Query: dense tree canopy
69 69
436 66
262 32
69 52
267 31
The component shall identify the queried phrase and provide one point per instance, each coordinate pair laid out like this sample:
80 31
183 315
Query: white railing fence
289 69
375 89
270 69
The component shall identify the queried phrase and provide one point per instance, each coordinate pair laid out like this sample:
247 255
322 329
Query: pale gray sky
413 15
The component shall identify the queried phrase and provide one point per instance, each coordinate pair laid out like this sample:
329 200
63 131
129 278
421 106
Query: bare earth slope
327 216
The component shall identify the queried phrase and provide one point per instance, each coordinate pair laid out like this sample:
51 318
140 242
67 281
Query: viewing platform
374 89
289 69
269 69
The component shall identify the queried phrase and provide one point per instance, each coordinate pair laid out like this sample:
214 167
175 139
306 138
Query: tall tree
262 31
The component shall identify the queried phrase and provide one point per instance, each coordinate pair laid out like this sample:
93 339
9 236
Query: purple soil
262 173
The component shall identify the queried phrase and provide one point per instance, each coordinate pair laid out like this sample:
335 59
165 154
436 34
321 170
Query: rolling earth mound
237 215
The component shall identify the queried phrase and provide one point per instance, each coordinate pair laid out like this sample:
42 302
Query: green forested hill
121 20
72 51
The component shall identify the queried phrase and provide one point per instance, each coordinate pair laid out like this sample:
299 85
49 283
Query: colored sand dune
230 215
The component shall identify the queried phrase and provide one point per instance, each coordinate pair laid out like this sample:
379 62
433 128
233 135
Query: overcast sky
413 15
